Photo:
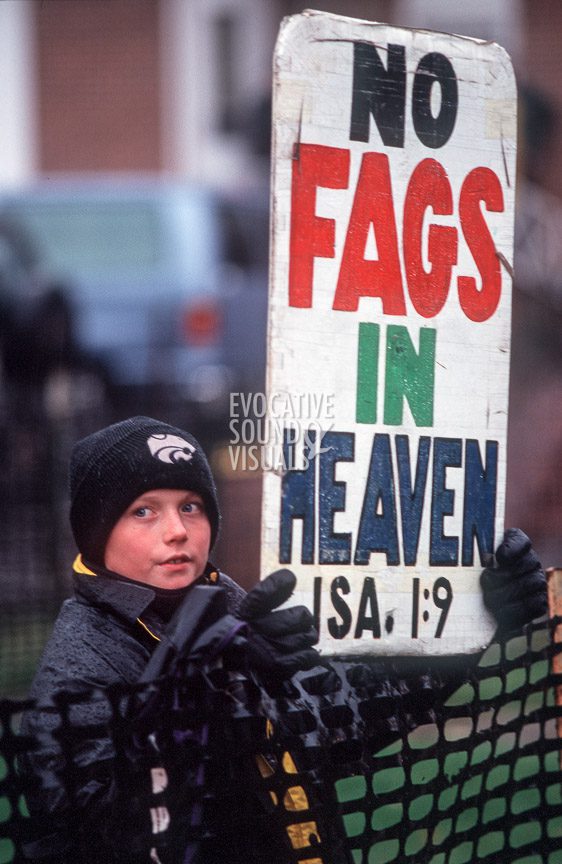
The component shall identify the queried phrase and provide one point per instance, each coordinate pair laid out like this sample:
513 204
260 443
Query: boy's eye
192 507
141 511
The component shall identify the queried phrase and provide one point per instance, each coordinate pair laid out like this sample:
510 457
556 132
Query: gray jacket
106 635
103 636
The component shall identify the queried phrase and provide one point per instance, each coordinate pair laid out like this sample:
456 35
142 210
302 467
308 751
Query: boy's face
162 539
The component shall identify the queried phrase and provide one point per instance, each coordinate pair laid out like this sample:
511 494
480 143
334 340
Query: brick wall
542 68
98 87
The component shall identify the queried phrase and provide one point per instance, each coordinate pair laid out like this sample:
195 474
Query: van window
104 238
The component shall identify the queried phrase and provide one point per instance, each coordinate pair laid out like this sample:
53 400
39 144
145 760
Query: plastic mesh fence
356 763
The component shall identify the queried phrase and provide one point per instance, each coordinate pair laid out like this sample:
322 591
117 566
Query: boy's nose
174 528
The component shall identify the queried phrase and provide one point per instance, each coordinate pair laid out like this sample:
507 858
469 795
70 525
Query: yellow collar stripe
150 633
80 567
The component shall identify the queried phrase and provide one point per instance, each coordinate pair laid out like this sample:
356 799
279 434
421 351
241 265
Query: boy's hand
514 588
279 642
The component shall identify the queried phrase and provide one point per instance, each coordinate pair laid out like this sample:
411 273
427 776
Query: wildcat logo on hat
170 448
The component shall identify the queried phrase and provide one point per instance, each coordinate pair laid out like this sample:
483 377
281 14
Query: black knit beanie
111 468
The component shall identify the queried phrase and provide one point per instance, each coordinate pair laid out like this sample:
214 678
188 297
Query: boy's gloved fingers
519 568
279 643
516 568
289 642
515 615
274 590
295 619
303 660
536 604
282 666
515 543
504 587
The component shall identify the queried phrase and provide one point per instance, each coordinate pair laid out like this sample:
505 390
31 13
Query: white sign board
389 329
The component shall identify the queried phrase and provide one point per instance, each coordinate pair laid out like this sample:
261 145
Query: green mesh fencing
365 767
482 783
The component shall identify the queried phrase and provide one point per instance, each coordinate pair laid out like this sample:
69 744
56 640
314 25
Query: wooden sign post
554 581
389 329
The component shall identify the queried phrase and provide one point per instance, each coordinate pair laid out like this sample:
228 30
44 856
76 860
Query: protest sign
389 329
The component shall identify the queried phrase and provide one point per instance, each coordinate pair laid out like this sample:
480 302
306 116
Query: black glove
515 588
279 643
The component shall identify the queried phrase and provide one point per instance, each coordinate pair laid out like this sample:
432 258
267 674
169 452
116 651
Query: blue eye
141 512
192 507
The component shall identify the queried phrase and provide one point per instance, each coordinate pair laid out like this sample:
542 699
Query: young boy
145 516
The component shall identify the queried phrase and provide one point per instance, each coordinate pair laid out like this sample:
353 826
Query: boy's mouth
177 559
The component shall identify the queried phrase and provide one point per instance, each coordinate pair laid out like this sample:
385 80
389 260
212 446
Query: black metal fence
348 765
38 425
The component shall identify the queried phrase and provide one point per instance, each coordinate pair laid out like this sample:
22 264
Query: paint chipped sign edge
393 186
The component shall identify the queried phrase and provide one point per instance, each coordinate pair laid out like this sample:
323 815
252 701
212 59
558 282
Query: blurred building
181 85
132 85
